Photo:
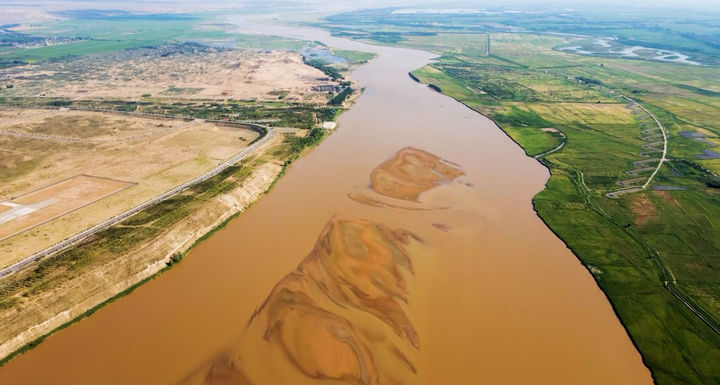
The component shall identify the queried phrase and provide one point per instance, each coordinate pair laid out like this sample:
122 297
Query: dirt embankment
44 312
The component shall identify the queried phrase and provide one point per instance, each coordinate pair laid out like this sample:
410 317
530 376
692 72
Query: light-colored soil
37 315
9 115
644 209
10 14
156 164
86 125
206 74
58 199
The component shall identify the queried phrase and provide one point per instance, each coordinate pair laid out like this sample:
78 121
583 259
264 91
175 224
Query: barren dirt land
186 71
152 164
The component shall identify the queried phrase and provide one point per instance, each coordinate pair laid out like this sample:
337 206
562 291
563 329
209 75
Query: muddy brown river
403 250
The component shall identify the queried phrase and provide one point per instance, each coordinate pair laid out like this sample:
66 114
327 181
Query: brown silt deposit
341 316
407 175
410 173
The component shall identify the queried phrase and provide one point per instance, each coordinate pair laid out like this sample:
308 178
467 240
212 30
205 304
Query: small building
324 88
329 125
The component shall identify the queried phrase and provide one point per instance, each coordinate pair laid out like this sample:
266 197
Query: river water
494 297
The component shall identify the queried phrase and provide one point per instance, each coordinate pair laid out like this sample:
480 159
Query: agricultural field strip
97 141
270 133
659 262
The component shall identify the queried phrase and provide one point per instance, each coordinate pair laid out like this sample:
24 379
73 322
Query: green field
354 55
105 34
633 244
690 30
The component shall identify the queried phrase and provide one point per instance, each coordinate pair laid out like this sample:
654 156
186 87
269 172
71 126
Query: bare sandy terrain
187 72
84 125
53 201
12 115
154 164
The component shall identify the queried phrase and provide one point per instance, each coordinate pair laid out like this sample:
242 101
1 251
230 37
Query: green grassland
354 55
105 34
693 31
634 244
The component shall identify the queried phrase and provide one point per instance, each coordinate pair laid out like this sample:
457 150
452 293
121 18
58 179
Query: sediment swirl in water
406 176
340 317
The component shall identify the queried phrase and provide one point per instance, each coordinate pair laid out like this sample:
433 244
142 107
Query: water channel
493 296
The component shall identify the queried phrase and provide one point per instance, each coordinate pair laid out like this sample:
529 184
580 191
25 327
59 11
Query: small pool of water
606 49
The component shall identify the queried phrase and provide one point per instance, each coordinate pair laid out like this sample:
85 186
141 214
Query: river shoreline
499 262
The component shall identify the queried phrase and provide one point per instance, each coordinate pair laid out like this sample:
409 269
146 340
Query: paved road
692 309
120 217
551 151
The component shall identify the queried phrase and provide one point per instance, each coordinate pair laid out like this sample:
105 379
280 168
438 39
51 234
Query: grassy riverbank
636 244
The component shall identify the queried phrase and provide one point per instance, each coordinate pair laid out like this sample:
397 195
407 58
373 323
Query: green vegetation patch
354 55
324 67
339 99
90 32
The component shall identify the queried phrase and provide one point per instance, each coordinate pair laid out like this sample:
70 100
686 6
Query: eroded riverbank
493 297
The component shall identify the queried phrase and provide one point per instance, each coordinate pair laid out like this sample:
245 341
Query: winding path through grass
662 129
